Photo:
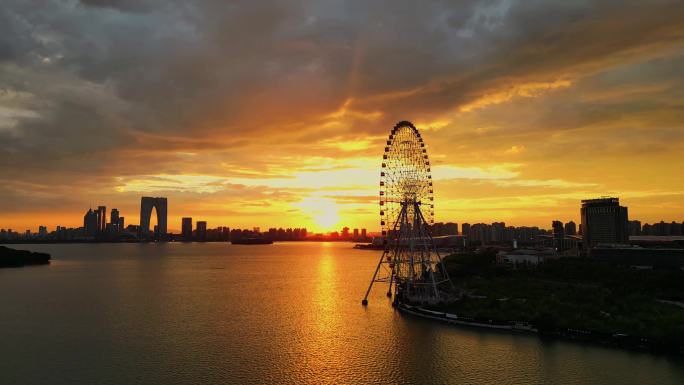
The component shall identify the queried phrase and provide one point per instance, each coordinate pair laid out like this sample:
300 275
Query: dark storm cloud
116 88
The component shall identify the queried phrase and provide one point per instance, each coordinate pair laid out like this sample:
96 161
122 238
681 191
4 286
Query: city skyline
523 115
95 225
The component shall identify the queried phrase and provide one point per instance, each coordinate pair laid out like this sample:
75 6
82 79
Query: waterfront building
201 231
114 219
160 205
91 223
634 227
186 226
604 221
363 233
101 219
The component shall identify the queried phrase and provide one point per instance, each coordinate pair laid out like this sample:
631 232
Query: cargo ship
252 241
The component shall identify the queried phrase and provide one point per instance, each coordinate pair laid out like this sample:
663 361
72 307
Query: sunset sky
258 113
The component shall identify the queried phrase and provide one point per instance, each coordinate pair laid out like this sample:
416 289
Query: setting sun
324 213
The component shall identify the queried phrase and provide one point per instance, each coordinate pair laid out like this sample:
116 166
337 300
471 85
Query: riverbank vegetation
574 297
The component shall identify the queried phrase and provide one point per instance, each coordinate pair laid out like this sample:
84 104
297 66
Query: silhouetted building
114 219
465 229
497 232
570 228
121 223
604 221
634 227
101 219
91 223
558 234
201 231
440 228
363 233
146 206
187 229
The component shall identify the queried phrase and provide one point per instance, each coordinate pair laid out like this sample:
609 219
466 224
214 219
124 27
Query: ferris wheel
410 262
405 176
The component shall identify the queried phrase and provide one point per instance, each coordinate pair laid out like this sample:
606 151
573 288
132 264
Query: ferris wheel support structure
410 262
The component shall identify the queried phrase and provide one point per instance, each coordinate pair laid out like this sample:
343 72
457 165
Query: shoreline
616 340
456 320
12 258
55 242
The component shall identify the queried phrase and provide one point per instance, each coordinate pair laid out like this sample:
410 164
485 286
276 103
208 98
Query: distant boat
252 241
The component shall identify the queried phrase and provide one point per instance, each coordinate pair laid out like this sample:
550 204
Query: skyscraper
114 219
101 219
160 206
603 221
634 227
187 229
91 223
201 231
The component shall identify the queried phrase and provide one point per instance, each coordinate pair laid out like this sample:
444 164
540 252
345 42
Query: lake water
284 313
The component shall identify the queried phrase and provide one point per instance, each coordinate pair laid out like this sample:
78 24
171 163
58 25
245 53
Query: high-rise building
114 219
201 231
634 227
187 228
356 233
363 233
121 223
42 231
465 229
480 233
91 223
571 228
451 228
603 221
345 232
101 219
497 232
160 206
